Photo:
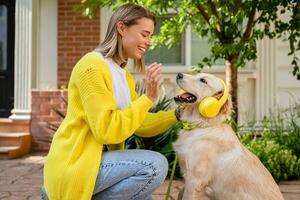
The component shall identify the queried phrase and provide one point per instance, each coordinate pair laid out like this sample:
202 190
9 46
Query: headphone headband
224 97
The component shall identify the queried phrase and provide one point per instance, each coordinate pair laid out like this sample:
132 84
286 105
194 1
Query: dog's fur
214 163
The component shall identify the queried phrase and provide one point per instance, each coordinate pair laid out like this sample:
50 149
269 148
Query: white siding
47 48
288 87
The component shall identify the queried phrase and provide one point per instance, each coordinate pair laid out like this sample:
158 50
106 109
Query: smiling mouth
185 97
142 49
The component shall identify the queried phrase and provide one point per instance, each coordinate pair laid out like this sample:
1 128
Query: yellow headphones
210 106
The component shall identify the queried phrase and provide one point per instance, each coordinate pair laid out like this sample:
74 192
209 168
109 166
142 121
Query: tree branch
207 18
237 6
215 13
203 13
249 27
213 8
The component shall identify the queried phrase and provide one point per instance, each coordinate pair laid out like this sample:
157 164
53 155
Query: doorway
7 37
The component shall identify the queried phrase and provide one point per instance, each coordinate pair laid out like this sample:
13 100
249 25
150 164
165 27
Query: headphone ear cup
209 107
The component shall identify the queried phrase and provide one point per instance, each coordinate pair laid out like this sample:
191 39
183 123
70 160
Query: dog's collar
187 126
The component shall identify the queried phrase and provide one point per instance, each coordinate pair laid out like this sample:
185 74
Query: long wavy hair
111 47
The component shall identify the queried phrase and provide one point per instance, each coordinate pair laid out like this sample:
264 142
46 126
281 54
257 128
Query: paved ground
20 179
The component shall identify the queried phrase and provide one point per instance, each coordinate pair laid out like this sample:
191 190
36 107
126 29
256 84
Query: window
189 52
172 56
3 37
200 49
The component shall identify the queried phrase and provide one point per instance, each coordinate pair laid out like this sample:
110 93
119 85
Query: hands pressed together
153 76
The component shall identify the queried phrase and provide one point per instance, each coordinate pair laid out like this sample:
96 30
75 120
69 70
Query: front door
7 36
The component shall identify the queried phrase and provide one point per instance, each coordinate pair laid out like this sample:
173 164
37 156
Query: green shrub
283 129
279 160
275 140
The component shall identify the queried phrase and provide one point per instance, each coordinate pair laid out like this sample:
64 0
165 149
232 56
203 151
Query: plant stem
171 178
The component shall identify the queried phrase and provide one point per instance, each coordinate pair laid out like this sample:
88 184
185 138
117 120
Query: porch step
9 152
15 139
8 125
13 145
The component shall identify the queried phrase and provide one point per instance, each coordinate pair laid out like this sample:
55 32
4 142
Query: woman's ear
121 28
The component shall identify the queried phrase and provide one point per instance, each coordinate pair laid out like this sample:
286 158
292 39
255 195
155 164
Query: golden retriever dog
214 163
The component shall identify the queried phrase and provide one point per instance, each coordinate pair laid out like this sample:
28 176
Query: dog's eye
203 80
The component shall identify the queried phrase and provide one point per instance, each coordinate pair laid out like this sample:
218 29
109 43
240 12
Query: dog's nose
179 76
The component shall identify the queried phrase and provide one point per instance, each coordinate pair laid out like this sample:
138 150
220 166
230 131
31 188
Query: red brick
74 33
35 107
57 99
41 99
45 106
44 112
41 117
35 93
83 39
77 34
65 38
46 94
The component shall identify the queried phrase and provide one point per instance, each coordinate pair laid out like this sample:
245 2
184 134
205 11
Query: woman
104 109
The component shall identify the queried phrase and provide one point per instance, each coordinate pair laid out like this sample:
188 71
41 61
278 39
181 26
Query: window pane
200 49
163 54
3 37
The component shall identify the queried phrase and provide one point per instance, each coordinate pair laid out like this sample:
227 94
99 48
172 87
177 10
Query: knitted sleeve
108 124
156 123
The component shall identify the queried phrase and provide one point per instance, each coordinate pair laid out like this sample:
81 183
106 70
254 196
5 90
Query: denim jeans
129 175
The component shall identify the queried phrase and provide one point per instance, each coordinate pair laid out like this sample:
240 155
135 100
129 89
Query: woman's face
136 39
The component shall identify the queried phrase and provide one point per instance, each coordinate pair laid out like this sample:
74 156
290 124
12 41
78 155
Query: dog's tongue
185 95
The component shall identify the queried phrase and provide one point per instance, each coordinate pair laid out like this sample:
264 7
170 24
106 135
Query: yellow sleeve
108 124
156 123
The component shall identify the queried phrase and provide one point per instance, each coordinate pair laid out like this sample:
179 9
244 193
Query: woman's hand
153 76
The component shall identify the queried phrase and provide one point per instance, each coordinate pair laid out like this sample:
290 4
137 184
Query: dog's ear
227 107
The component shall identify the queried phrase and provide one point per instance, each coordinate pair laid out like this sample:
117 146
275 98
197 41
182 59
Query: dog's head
197 88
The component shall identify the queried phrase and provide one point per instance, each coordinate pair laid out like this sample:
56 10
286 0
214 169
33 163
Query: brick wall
76 36
42 113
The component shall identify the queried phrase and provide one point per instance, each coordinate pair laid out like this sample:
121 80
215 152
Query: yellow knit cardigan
92 119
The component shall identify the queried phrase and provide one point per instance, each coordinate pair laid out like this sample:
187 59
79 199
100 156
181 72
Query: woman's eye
203 80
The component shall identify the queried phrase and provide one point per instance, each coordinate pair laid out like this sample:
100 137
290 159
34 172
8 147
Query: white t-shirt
120 86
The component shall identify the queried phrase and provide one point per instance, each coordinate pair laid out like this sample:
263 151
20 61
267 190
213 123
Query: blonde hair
111 47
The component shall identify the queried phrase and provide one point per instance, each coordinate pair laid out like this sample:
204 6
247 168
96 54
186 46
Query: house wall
76 36
42 114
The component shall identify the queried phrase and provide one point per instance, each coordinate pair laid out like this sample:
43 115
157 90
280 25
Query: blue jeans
130 175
